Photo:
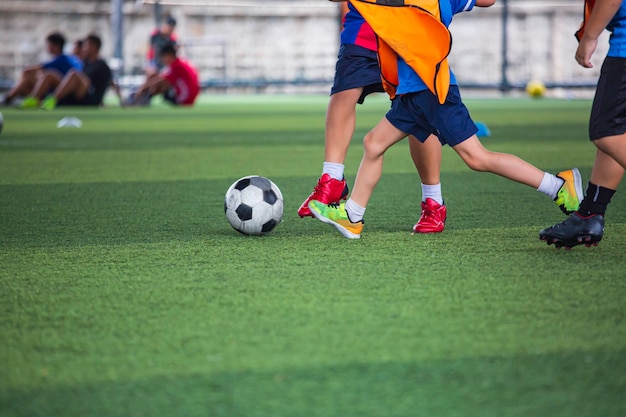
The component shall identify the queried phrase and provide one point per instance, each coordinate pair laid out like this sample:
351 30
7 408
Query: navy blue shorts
420 114
608 113
88 100
357 67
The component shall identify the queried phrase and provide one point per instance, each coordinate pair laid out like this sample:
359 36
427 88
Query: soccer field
125 292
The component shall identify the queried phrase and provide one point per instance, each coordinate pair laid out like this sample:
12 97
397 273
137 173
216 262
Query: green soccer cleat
49 103
29 103
336 215
571 193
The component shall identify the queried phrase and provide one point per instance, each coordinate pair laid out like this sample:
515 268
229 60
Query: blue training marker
483 130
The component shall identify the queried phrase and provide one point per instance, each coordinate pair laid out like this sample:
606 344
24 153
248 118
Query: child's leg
348 218
375 143
613 146
76 83
606 175
24 86
340 122
427 158
160 85
509 166
607 172
565 188
47 82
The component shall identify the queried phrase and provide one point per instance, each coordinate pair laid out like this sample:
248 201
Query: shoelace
430 214
318 188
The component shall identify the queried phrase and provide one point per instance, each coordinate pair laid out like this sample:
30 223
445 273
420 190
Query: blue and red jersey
356 31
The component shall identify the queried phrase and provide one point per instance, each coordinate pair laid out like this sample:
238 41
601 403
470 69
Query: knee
371 147
72 74
476 162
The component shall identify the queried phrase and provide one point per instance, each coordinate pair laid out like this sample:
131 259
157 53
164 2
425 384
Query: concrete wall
297 43
541 44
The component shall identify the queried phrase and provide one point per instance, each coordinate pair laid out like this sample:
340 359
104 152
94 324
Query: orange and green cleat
336 215
570 194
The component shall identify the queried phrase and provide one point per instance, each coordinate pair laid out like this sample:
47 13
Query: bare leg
154 85
75 83
376 142
509 166
46 82
615 147
340 123
606 171
427 158
24 86
339 128
160 87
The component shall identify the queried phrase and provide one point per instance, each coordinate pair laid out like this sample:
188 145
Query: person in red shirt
178 82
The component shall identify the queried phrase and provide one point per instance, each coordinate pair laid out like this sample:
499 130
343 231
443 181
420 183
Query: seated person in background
86 88
58 66
160 38
178 82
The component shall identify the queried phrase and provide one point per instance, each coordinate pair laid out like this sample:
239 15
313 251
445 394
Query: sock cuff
333 169
355 212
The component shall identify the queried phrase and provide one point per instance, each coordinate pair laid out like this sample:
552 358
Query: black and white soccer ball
253 205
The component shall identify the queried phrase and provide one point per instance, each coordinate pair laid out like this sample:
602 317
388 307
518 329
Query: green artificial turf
125 292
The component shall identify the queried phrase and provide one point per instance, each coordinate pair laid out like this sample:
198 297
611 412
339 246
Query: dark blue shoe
575 230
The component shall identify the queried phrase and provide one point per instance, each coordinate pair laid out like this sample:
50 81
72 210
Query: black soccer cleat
575 230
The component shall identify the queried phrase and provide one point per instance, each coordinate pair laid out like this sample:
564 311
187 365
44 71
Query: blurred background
291 45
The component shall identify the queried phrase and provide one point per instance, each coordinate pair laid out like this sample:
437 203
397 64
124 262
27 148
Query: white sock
432 191
333 169
355 212
550 185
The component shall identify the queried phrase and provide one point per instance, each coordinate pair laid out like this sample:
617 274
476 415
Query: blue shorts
420 114
357 67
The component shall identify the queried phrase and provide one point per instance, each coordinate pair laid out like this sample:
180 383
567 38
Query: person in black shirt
86 88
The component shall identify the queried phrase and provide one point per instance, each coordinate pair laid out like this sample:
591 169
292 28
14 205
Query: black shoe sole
587 240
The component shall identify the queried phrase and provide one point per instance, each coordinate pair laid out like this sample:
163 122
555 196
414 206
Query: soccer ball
253 205
535 88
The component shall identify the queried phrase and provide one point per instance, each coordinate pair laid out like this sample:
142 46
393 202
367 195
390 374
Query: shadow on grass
568 384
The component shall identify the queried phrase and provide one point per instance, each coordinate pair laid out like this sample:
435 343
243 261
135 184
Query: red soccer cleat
433 218
328 190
